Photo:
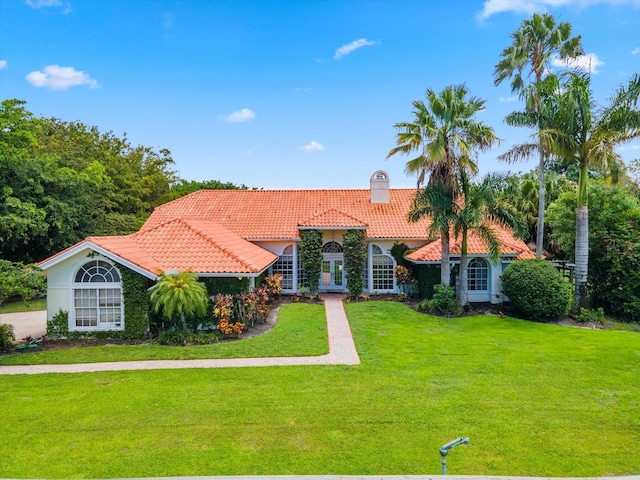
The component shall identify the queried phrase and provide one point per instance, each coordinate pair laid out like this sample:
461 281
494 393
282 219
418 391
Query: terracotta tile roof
276 214
196 245
333 219
510 245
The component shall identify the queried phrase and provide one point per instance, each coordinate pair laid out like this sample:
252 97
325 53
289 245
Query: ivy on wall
226 285
427 276
311 257
136 302
355 255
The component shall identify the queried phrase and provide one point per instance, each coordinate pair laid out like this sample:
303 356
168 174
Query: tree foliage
18 280
446 135
180 295
63 181
614 246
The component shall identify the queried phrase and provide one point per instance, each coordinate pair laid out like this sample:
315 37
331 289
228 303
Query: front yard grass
301 331
32 306
535 400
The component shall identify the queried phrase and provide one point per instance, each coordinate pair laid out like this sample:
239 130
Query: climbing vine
136 302
355 256
311 257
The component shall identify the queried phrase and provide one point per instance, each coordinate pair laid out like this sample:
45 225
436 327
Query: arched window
284 266
97 271
478 275
381 269
332 247
97 297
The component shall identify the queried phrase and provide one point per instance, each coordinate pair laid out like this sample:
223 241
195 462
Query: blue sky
290 93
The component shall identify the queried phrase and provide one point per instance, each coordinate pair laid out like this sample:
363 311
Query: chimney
379 187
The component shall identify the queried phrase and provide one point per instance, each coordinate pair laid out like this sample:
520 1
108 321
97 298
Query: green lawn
32 306
301 330
535 399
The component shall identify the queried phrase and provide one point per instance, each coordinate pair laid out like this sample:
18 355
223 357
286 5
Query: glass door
332 276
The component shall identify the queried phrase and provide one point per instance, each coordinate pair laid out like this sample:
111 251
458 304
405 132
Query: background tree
587 136
446 136
180 295
614 245
63 181
526 61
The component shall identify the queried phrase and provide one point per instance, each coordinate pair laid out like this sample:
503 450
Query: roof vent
379 187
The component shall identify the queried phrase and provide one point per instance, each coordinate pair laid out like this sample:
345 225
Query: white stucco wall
60 279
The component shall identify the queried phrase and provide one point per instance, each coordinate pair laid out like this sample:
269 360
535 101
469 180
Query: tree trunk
445 266
582 256
463 291
541 198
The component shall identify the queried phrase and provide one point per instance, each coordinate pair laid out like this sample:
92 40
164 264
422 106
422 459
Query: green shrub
536 289
6 337
59 325
594 316
172 337
443 302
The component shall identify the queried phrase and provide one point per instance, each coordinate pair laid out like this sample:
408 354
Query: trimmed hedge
536 289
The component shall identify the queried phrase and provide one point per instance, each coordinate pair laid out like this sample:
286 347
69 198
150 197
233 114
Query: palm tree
479 211
536 42
587 137
436 201
179 294
445 135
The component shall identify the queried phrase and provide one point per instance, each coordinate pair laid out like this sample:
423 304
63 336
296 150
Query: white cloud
350 47
312 147
56 77
512 98
528 7
635 51
3 64
240 116
49 4
589 62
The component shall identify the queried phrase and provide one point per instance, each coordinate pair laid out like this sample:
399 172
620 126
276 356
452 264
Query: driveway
26 324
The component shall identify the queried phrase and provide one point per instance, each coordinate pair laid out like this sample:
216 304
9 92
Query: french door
332 276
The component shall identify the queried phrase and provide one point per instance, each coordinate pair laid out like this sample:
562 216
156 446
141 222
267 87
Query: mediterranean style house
245 233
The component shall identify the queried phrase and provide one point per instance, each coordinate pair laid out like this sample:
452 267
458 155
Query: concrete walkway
342 351
26 324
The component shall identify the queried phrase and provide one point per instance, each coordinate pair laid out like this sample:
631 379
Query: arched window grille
332 247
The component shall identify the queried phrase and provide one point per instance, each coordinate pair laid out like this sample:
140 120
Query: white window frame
287 260
472 274
375 283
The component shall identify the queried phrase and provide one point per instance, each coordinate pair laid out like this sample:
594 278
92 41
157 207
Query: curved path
342 351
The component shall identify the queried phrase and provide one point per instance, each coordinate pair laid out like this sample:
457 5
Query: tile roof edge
224 249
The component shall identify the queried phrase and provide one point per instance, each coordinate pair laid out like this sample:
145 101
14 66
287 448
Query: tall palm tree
180 294
480 211
587 136
536 42
445 135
